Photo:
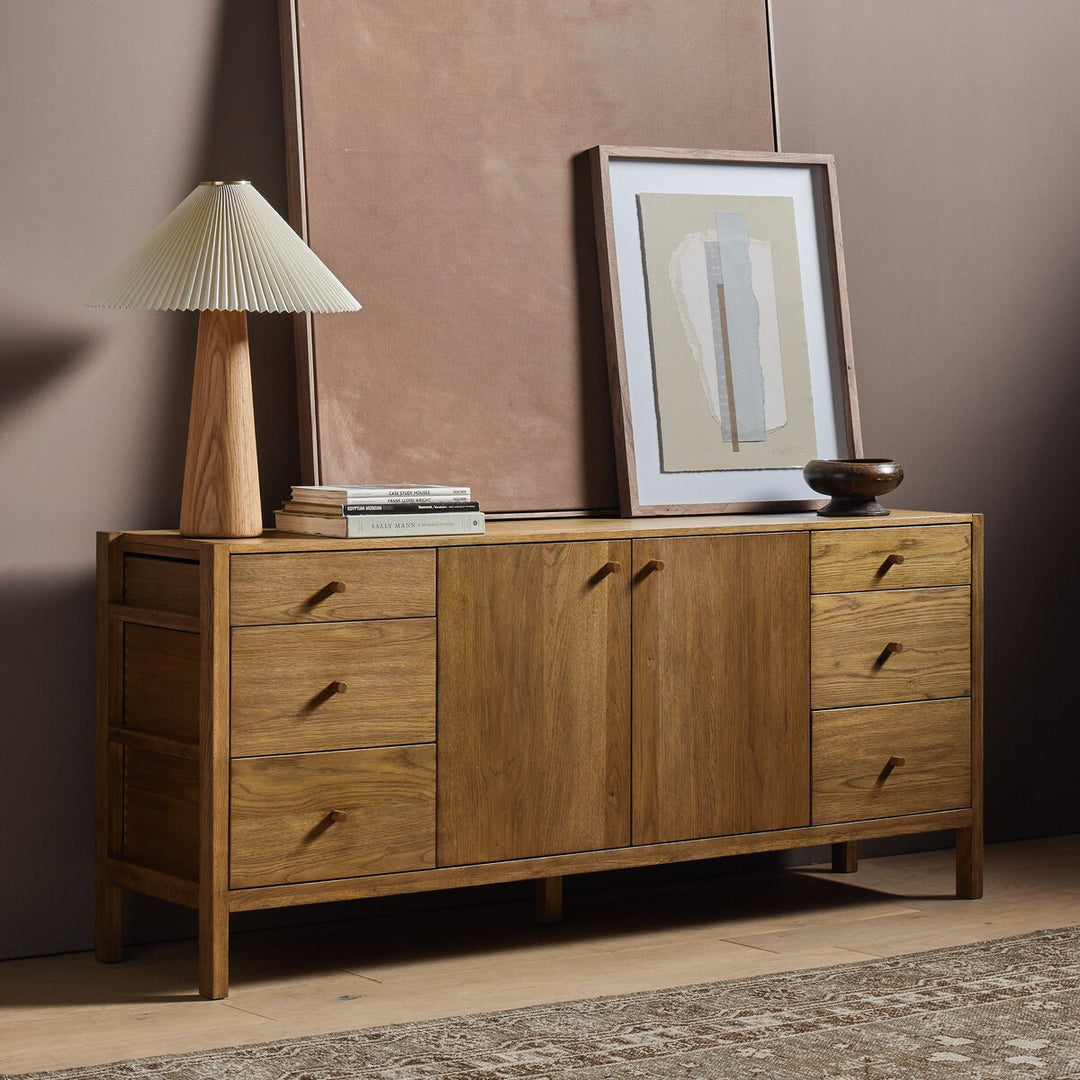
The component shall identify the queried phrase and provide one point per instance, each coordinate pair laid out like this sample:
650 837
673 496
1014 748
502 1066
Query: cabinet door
721 657
534 700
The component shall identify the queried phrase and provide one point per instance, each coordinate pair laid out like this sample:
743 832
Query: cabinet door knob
337 815
336 586
339 687
654 564
610 568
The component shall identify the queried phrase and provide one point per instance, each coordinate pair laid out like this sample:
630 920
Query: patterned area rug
996 1009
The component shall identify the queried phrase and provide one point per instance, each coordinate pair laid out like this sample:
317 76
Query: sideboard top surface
545 530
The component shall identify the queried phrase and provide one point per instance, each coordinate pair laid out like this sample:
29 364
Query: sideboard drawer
338 687
888 760
334 586
313 817
903 645
853 560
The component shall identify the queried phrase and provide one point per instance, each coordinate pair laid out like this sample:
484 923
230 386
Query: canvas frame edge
842 369
296 182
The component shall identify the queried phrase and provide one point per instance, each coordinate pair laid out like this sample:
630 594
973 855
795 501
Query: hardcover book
364 525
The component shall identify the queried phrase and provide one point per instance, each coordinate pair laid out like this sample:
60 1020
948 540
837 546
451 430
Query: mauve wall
112 111
954 127
957 149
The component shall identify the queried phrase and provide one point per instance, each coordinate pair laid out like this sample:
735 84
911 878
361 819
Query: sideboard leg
845 857
969 862
549 900
214 773
108 931
213 953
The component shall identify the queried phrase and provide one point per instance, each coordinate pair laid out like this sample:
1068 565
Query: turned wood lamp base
221 470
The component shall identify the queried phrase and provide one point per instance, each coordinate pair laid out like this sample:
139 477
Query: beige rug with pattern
1006 1008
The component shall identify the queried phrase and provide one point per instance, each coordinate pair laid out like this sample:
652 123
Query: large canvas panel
445 183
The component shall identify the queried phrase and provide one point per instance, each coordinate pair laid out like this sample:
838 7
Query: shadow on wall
47 629
27 366
46 770
1033 592
1014 456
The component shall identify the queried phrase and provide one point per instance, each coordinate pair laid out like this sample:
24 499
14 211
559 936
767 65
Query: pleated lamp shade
224 248
224 251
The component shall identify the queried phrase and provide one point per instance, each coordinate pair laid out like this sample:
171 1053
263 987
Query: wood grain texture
161 584
850 632
535 643
534 701
145 879
851 749
842 373
281 806
544 80
721 675
969 841
108 758
543 530
285 693
159 744
221 470
166 620
858 560
161 812
214 773
591 861
378 585
161 682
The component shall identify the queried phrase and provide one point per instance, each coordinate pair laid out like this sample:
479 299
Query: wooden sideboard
290 719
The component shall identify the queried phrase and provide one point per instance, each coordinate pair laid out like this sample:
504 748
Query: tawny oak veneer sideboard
288 719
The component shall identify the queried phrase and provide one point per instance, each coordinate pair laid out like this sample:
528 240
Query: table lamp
224 251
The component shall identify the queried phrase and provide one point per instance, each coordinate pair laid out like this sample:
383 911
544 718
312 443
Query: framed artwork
725 318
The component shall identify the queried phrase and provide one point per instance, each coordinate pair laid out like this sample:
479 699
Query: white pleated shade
224 248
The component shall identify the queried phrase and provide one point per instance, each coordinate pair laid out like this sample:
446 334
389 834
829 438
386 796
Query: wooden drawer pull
892 763
337 815
654 564
610 568
890 648
890 561
339 687
327 591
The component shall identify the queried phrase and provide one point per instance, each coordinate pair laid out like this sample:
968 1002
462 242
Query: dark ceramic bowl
853 484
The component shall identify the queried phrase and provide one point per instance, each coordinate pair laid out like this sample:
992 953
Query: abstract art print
725 319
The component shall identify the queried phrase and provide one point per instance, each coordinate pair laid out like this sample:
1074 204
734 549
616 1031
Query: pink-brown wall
954 127
957 149
112 112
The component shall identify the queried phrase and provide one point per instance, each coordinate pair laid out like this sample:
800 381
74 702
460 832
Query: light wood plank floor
64 1011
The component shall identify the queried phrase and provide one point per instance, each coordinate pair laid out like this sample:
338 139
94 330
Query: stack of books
421 510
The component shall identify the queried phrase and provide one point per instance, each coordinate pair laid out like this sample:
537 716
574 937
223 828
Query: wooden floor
65 1011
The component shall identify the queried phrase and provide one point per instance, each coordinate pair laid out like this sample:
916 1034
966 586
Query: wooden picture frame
691 365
